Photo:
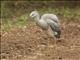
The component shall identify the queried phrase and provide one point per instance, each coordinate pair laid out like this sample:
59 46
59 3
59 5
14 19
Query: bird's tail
57 34
57 31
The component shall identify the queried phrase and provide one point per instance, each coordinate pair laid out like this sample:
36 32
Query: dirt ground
31 43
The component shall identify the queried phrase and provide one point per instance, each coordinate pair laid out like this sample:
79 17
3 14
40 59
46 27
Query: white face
33 14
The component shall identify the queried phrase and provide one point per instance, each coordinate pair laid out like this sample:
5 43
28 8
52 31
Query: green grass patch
18 22
63 13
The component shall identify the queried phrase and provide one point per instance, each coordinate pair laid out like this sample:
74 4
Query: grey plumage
47 22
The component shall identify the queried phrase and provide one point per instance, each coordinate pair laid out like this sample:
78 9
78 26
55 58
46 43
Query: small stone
60 57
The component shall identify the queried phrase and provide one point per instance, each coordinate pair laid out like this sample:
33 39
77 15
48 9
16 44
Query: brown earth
31 43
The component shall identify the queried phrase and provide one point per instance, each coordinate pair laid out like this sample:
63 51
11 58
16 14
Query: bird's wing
53 22
50 17
53 25
55 28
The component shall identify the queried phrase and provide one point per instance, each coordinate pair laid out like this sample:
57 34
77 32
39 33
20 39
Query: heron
49 22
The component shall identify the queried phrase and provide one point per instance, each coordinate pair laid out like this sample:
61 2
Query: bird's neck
37 18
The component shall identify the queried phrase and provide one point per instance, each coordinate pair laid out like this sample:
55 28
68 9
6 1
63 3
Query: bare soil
31 43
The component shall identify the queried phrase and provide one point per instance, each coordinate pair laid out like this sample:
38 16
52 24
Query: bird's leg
46 34
50 33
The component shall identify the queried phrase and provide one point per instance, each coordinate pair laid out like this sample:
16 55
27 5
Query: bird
47 21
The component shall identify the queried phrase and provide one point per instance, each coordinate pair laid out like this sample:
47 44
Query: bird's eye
32 14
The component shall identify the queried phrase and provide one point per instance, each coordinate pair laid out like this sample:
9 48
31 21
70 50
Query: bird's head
34 14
